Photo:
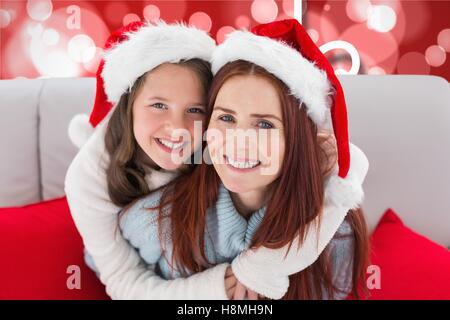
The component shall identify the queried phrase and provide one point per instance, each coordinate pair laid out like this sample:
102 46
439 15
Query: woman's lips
241 165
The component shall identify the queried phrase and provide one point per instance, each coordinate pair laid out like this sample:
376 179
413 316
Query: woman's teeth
170 144
242 164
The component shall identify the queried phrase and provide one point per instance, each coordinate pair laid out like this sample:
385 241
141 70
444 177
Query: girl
239 204
152 82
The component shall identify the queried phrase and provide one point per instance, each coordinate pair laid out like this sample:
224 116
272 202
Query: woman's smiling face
245 134
167 111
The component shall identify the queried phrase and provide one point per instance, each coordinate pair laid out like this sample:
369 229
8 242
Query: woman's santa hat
132 51
285 49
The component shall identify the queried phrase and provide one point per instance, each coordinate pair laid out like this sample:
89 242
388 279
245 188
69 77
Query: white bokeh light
81 48
5 18
50 37
34 30
357 10
39 10
93 64
51 64
376 71
381 18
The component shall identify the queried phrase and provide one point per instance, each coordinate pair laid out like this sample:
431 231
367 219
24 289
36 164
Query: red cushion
411 266
38 244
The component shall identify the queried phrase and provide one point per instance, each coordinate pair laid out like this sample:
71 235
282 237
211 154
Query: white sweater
125 274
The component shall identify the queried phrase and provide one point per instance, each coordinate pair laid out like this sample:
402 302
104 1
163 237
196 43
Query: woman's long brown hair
297 198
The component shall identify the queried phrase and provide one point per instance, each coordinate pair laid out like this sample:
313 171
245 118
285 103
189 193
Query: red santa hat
130 52
285 49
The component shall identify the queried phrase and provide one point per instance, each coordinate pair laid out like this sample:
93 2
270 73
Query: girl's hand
235 289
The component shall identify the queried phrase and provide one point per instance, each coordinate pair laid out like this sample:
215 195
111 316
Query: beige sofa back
402 123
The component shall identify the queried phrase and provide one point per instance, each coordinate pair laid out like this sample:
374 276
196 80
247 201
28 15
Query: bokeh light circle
242 22
151 13
201 20
313 34
357 10
130 17
39 10
443 39
264 11
50 37
81 48
376 71
435 56
93 64
381 18
5 18
222 33
34 30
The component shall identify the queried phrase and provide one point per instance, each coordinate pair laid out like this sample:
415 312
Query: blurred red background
44 38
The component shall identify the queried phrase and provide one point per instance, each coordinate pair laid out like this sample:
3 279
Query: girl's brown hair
297 197
125 173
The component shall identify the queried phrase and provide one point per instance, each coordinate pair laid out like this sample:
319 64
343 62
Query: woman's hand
235 289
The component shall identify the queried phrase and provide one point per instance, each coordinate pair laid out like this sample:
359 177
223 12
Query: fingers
239 292
229 272
229 283
252 295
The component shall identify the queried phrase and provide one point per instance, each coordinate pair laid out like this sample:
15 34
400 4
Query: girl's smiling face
245 133
167 110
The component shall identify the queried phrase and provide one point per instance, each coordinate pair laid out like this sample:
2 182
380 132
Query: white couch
402 123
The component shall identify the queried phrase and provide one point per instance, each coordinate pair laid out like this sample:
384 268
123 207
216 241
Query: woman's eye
159 105
226 118
196 110
265 125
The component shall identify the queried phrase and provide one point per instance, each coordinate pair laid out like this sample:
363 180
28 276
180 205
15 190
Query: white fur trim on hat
348 192
80 129
147 48
306 82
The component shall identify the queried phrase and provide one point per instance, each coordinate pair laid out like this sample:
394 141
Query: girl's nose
176 128
175 121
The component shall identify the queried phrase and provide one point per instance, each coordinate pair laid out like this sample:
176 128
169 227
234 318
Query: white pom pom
80 129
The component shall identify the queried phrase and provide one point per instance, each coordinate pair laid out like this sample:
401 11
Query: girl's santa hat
285 49
132 51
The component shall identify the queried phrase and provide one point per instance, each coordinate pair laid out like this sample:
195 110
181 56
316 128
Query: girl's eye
265 125
196 110
159 105
226 118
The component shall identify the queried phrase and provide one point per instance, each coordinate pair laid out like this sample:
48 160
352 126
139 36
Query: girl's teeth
242 165
171 145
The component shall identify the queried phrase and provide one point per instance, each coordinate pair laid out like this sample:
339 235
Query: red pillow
38 244
411 266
